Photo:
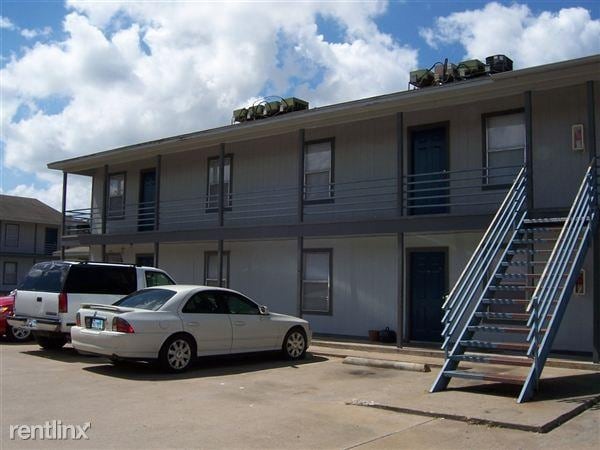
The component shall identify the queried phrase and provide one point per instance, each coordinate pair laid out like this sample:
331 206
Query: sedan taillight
122 326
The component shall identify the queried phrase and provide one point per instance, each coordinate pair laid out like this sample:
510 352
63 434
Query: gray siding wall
558 170
364 280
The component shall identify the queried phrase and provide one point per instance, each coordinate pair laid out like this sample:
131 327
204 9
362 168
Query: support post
103 252
64 217
220 254
594 152
157 194
156 254
400 299
299 256
529 149
301 175
400 163
221 185
105 200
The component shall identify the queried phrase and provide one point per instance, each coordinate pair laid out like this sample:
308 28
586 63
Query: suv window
152 299
205 303
237 304
45 277
92 279
157 279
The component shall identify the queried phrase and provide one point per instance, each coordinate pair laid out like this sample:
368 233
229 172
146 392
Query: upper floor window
316 281
11 235
318 174
212 190
211 269
116 196
505 147
50 240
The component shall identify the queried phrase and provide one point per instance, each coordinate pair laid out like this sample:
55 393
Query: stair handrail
580 213
465 288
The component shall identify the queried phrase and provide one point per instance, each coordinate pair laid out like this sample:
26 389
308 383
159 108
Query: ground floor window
211 269
9 273
316 281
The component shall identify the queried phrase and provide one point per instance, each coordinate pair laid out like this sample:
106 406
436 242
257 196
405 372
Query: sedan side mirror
264 311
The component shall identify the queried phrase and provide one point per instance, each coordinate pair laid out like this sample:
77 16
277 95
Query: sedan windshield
151 299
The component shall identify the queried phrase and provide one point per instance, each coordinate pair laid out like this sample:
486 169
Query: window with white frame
505 147
9 273
11 235
316 281
211 269
212 190
318 176
116 196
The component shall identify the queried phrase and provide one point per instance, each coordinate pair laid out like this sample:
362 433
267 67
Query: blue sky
38 109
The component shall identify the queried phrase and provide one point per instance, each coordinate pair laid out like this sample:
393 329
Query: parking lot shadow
209 366
66 354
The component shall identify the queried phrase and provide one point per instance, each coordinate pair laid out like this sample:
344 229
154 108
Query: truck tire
50 342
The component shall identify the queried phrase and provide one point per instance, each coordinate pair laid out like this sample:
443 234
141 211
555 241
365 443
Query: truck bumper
35 324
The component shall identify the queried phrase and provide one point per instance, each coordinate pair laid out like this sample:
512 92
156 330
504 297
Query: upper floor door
147 205
428 162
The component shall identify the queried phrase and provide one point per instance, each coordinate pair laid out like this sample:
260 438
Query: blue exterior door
147 205
427 287
428 182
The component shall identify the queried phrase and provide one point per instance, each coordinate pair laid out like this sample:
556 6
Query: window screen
212 196
505 141
9 275
317 171
116 196
11 235
316 281
211 269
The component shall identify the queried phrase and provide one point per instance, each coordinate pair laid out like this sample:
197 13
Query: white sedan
175 324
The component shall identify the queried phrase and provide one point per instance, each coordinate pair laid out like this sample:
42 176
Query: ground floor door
426 289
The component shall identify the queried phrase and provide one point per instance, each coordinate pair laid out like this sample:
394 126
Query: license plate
97 324
31 323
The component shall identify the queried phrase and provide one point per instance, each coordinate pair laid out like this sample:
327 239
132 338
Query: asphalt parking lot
253 401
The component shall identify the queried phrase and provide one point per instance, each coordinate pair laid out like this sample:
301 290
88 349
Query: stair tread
486 376
522 361
546 220
500 328
498 345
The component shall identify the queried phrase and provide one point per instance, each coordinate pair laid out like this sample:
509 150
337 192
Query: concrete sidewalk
563 394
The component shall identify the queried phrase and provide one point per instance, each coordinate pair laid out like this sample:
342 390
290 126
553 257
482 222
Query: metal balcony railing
471 191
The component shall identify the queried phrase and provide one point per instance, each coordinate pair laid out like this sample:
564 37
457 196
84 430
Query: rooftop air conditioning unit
499 63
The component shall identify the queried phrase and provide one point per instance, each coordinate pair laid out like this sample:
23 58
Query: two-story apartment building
29 232
360 215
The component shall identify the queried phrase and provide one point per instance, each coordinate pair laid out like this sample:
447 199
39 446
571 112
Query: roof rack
108 263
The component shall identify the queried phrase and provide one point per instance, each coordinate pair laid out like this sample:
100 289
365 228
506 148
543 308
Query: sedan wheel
18 334
294 345
177 354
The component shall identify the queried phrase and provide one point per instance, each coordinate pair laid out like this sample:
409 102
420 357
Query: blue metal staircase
507 305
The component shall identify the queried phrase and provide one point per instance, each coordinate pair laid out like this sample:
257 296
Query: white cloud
514 30
6 23
133 71
28 33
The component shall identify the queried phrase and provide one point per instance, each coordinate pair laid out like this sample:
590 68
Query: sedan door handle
193 324
239 323
39 299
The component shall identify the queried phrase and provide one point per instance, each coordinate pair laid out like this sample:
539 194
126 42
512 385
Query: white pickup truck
49 297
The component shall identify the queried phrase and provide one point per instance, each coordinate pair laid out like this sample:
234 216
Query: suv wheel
294 344
177 354
50 342
18 334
